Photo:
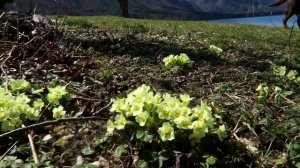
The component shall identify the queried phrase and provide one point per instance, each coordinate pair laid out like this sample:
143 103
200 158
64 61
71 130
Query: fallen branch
46 123
103 108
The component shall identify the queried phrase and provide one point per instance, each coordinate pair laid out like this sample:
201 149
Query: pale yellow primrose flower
110 127
215 49
185 99
175 113
262 88
166 132
142 118
183 122
176 60
136 109
38 104
131 99
163 113
202 111
120 122
185 111
167 97
18 84
199 128
22 99
56 93
156 99
168 60
279 70
116 106
147 98
292 74
184 58
58 112
221 132
33 114
141 90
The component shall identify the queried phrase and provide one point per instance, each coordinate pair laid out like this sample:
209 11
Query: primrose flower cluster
282 72
157 115
263 91
16 106
173 61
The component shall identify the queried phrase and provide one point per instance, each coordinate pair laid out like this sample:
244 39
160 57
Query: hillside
234 104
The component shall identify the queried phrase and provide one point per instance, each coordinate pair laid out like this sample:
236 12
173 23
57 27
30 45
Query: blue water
275 20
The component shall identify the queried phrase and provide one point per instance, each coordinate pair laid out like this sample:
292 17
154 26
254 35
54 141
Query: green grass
245 38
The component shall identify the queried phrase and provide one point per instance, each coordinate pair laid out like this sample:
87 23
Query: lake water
275 20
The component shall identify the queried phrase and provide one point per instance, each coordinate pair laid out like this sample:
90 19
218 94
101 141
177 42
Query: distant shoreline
199 16
272 20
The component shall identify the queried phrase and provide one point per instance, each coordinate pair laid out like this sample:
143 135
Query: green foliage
283 83
8 161
294 153
85 166
16 106
120 150
210 161
87 151
288 76
109 73
177 61
142 164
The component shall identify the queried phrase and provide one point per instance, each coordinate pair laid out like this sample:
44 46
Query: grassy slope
241 37
130 53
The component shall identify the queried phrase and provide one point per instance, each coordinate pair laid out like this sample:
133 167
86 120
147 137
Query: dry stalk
32 147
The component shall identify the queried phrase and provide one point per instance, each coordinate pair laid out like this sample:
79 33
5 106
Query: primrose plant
215 49
161 117
177 61
16 106
283 73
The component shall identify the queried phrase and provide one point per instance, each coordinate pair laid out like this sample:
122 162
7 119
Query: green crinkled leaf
280 161
140 134
85 166
161 160
87 151
120 150
211 160
148 138
142 164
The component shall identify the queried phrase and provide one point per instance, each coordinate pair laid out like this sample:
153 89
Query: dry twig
33 150
46 123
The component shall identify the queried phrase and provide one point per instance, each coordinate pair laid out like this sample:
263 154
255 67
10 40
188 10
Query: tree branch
46 123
